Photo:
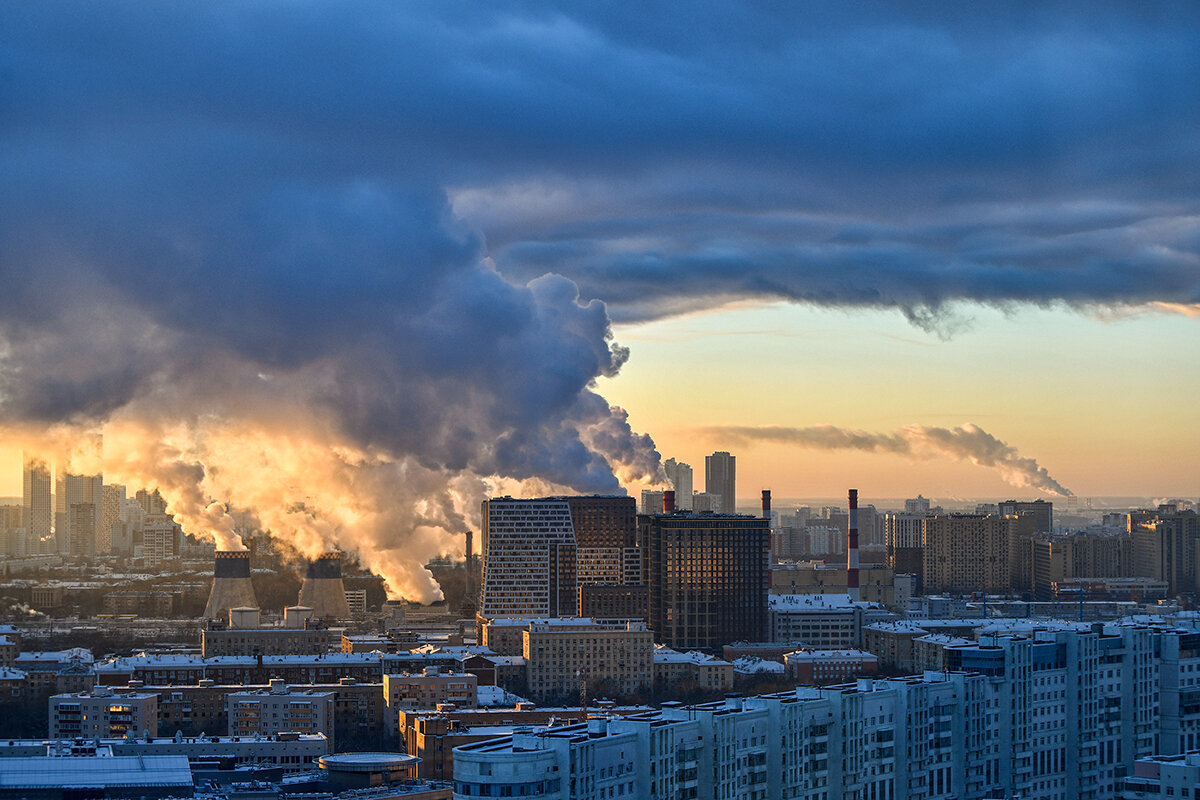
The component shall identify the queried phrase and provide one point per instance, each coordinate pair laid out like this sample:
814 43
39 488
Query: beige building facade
558 653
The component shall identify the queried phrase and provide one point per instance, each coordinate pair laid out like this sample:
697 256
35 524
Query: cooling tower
322 590
231 584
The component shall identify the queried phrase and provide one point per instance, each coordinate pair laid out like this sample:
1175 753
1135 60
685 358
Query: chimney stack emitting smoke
231 586
323 590
852 550
669 502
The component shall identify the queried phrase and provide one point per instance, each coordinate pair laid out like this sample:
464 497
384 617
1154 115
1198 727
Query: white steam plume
966 442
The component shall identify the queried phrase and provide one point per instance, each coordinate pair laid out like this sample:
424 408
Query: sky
413 255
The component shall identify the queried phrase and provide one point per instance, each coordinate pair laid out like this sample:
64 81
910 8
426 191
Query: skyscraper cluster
80 515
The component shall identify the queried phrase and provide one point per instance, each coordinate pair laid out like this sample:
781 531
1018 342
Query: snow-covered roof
665 655
816 602
752 665
830 655
493 696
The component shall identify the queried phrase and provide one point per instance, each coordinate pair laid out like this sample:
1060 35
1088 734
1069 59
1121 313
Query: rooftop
818 655
48 772
817 602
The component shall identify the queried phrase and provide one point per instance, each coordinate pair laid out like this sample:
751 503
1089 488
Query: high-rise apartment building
903 542
1058 714
720 478
151 502
38 513
916 505
529 559
1165 549
706 501
1075 556
965 553
82 526
159 537
71 490
605 540
707 576
680 476
652 501
12 532
110 514
1041 510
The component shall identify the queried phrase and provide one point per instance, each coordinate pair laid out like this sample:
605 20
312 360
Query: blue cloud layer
287 183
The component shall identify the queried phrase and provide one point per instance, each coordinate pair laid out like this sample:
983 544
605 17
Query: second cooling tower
322 590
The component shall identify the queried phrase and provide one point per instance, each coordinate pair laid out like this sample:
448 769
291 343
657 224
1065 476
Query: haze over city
380 264
595 400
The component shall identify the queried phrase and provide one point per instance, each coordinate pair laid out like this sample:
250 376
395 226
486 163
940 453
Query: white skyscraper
680 476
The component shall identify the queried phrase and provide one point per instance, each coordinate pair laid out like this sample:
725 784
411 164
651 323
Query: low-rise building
893 641
203 708
10 648
830 666
432 735
269 641
147 604
1164 778
47 597
768 651
822 620
290 751
56 671
142 777
875 582
103 713
504 636
691 670
161 669
280 709
13 683
429 688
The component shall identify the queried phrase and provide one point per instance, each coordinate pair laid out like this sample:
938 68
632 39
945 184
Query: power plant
323 590
231 586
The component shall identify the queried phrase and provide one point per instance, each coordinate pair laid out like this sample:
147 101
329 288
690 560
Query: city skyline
527 250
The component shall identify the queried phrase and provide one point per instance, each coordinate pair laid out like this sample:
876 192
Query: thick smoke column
965 443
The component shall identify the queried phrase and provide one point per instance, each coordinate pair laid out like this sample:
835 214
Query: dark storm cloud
294 185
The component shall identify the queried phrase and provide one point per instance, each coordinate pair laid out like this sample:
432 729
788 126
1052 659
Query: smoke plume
341 273
964 443
354 372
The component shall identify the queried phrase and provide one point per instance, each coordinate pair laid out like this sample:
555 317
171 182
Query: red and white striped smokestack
852 550
766 503
669 502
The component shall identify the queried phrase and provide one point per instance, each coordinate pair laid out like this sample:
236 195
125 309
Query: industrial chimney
231 586
469 576
669 501
852 550
322 590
